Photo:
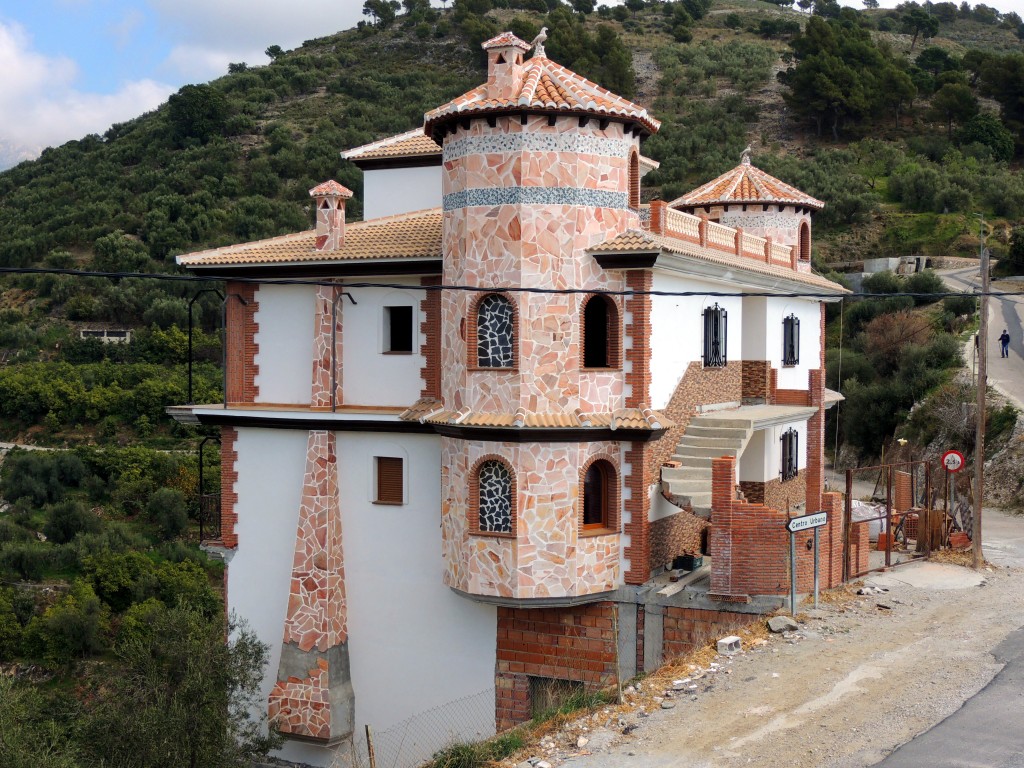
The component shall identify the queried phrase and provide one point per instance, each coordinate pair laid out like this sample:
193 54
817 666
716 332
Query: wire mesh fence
413 741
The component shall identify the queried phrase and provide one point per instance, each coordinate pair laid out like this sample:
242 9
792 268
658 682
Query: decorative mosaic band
588 198
536 142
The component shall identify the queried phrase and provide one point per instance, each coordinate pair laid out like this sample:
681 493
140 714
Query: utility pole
979 440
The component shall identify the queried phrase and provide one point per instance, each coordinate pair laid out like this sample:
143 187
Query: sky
74 67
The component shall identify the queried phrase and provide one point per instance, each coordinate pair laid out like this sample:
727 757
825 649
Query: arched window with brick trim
805 242
601 334
492 497
495 332
599 495
634 179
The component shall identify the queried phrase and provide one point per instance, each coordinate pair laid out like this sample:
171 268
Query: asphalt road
1005 374
987 731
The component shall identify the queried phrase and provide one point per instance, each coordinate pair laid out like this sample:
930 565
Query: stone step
694 462
711 442
684 485
687 474
731 433
684 451
721 423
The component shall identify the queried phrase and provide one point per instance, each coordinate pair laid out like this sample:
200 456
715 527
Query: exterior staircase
706 437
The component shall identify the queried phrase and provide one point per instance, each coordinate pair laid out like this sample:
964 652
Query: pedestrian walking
1004 340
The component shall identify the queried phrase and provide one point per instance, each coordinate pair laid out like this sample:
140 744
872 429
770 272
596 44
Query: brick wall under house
240 354
687 629
749 544
757 380
573 644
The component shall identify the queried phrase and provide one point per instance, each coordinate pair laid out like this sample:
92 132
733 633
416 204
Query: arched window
495 332
634 179
600 333
598 496
805 242
494 495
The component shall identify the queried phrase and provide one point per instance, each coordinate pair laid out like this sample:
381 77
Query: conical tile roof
746 184
545 87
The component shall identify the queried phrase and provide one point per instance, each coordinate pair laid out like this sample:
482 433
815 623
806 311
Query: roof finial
745 157
538 43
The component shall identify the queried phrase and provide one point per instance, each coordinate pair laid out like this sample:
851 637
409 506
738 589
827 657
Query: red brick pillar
723 494
240 337
228 494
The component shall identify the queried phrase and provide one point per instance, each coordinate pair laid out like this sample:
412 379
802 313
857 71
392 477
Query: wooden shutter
390 489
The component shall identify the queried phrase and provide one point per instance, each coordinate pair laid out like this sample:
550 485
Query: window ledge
396 352
591 532
388 503
480 369
492 534
605 369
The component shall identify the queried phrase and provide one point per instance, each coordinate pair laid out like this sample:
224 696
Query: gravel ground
860 676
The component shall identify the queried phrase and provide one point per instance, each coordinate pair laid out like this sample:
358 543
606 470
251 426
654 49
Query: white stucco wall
677 328
285 339
270 465
387 191
762 336
369 376
761 460
413 643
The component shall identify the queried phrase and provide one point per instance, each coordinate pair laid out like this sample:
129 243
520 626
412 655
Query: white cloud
212 34
40 105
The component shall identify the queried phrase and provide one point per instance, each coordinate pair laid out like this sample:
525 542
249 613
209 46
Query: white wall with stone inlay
413 643
369 375
270 465
390 191
677 328
761 461
285 339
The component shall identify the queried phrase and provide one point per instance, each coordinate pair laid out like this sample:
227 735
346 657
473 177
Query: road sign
806 522
953 461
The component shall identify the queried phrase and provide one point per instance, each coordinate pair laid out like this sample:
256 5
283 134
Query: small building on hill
465 440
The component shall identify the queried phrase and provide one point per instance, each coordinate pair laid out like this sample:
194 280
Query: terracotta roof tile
745 184
406 236
545 86
412 143
636 241
505 40
432 411
331 187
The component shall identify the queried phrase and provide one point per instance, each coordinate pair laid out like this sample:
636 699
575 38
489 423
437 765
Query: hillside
232 160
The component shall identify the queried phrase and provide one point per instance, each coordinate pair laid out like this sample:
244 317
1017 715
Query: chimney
330 200
505 56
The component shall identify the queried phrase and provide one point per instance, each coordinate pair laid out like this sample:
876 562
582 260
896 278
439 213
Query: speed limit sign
953 461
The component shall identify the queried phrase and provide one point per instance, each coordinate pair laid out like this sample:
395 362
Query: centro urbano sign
807 522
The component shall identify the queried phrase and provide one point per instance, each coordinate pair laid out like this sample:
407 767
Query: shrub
883 282
10 627
139 620
925 282
960 305
166 509
73 628
121 579
11 531
24 561
186 583
66 520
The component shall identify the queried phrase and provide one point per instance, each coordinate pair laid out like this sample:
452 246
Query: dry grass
962 557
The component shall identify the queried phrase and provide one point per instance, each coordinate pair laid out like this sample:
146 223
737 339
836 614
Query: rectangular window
715 337
791 340
390 482
790 454
398 330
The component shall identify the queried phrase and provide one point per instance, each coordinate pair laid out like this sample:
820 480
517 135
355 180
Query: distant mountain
12 154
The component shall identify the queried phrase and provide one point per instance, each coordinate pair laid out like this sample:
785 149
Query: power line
478 289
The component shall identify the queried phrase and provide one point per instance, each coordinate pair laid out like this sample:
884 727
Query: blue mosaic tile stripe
536 142
491 196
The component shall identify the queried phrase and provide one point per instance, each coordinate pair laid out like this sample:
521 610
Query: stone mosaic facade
545 554
323 357
313 695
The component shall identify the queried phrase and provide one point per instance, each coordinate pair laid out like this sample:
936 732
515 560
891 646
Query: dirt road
860 677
